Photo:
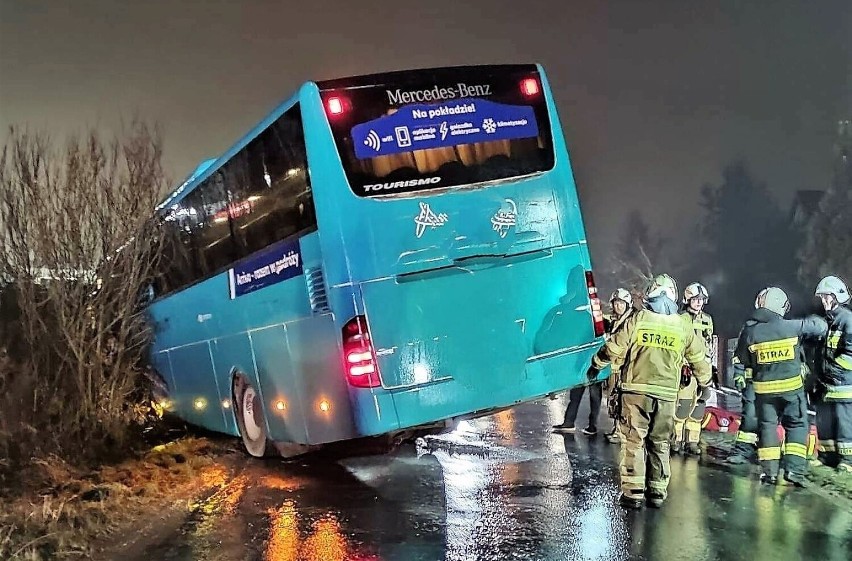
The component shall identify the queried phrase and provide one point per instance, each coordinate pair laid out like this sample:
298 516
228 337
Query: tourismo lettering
374 187
435 93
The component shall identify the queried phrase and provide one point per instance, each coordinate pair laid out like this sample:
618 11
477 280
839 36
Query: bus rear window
408 132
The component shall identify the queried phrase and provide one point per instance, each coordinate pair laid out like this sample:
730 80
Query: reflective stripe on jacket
836 372
651 348
770 346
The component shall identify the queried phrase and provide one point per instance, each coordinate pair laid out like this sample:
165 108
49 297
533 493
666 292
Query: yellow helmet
662 285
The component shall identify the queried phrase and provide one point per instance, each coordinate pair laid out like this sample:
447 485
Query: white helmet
833 285
662 285
773 299
623 295
695 290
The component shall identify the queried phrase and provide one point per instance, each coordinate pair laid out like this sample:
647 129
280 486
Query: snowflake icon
489 125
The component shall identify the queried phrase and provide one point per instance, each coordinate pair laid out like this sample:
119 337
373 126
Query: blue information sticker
274 264
462 121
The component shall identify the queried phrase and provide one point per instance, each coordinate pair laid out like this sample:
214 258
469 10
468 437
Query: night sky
655 96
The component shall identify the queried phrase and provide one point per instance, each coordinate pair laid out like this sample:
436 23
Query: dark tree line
743 241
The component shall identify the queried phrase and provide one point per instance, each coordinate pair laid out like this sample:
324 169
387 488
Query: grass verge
66 511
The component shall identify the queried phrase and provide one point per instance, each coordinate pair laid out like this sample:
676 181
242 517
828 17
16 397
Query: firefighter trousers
834 426
689 416
791 411
645 426
746 440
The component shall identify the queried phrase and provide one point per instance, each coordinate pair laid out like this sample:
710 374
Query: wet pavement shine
501 488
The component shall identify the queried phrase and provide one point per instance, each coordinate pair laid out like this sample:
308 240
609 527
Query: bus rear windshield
408 132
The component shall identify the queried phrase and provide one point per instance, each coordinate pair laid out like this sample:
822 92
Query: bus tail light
336 105
358 356
530 87
595 303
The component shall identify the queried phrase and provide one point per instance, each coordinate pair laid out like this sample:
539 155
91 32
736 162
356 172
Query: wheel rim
253 430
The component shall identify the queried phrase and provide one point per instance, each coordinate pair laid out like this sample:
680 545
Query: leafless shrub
76 249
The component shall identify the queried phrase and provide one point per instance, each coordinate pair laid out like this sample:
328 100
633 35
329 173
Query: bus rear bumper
447 399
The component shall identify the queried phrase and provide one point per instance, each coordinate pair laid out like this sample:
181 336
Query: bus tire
250 419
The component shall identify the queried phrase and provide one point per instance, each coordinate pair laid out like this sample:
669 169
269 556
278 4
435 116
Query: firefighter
690 413
770 346
622 303
652 346
834 409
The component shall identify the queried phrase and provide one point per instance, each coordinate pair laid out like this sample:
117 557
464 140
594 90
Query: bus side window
178 264
214 243
276 188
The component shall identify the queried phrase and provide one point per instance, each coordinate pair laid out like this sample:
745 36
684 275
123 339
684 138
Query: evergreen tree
746 244
827 249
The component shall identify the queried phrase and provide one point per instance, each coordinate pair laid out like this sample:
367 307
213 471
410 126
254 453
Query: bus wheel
250 419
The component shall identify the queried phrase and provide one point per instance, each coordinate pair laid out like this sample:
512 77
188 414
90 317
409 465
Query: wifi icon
373 141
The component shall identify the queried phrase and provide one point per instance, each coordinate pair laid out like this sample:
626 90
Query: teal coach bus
381 256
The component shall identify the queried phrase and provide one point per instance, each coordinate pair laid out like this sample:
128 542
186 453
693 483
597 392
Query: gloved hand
685 375
816 392
704 393
592 373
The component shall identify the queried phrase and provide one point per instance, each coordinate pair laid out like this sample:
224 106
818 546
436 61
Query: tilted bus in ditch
380 256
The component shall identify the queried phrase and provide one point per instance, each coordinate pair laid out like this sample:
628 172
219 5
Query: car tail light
358 356
530 87
595 303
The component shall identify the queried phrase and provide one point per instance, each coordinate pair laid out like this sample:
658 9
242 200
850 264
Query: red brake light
359 359
529 86
595 304
335 105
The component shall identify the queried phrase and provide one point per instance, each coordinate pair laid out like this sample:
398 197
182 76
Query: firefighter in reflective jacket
651 346
770 346
834 410
690 413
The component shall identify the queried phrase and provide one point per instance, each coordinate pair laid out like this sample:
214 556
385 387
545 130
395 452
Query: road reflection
501 487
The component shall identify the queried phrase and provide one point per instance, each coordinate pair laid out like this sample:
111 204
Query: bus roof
396 76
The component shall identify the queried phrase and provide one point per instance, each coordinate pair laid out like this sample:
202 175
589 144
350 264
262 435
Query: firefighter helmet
695 290
662 285
623 295
774 299
833 285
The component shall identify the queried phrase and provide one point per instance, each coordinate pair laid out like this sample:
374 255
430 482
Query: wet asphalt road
502 487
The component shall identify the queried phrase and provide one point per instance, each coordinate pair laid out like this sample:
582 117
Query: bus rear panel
459 245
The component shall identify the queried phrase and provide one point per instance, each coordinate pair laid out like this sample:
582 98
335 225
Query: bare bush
76 248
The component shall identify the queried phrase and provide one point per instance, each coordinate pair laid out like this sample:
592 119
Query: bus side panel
277 380
197 396
160 362
231 354
315 350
